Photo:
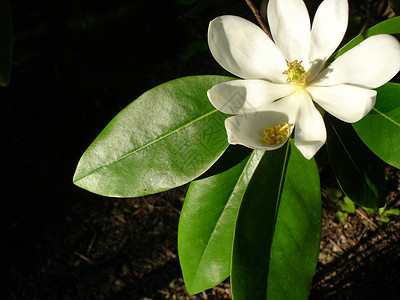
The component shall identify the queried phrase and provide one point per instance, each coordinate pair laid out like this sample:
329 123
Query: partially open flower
283 78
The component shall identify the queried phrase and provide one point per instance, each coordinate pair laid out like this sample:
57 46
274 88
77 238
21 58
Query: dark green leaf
167 137
359 172
255 226
295 244
193 48
234 155
334 194
369 210
380 129
278 229
207 223
6 42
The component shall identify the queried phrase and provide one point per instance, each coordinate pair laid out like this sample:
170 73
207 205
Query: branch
260 19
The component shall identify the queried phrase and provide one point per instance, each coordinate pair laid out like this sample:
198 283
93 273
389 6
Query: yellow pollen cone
296 73
277 134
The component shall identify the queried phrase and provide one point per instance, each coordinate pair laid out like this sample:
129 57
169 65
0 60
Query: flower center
277 134
296 73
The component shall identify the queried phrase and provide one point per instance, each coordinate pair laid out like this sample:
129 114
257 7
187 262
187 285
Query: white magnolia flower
284 77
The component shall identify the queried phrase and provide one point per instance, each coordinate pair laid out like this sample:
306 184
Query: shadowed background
76 64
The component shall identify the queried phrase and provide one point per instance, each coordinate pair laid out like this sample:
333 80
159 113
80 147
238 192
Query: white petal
238 96
290 27
328 28
370 64
243 49
347 103
310 132
244 129
289 105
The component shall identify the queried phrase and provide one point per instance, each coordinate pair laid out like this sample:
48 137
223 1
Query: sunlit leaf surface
278 229
207 224
380 129
167 137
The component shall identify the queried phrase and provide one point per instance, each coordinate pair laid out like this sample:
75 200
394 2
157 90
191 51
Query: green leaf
334 194
391 26
381 210
341 215
278 229
392 212
207 223
167 137
6 42
369 210
380 129
234 155
359 172
192 48
347 205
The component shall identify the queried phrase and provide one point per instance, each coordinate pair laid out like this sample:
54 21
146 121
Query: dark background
76 64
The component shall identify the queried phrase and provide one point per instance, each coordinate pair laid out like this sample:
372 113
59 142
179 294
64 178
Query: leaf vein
148 144
216 223
386 117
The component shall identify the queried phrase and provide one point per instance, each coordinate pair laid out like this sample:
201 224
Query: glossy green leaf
391 26
6 42
278 229
380 129
207 223
296 240
167 137
255 226
234 155
359 172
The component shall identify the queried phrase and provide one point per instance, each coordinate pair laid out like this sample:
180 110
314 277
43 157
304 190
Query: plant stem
260 19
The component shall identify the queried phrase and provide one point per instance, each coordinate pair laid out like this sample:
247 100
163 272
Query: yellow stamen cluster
296 73
277 134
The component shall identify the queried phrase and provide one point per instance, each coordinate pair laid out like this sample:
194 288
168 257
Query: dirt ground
76 65
126 249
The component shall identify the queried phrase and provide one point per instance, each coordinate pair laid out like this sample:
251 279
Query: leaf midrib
386 117
147 145
281 186
351 158
216 223
279 197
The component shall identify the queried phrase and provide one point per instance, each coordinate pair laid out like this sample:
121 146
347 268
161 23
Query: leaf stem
260 19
